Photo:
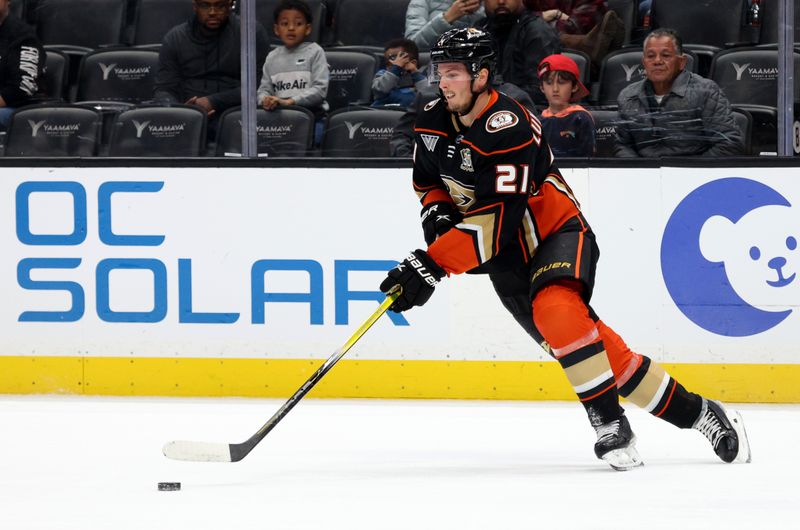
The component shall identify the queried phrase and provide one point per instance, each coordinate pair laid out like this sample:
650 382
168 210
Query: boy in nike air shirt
295 73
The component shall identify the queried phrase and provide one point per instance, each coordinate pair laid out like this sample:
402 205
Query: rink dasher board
173 265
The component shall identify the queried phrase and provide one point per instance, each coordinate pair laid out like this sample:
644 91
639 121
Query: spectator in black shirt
21 64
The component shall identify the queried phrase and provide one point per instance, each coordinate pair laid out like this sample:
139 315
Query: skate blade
744 455
623 459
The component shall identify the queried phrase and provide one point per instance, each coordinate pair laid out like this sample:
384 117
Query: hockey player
494 202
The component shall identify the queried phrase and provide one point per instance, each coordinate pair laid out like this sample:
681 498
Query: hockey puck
169 486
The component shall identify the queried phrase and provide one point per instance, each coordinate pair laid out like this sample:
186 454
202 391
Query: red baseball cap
562 63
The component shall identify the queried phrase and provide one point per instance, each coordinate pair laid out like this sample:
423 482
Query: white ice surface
93 463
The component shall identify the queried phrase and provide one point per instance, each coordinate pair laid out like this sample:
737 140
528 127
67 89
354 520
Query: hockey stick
222 452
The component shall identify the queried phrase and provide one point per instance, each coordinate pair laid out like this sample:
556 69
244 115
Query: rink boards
221 281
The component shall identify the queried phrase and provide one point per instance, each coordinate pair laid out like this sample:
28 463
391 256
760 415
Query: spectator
673 112
199 60
399 81
295 73
22 61
583 25
522 39
427 20
568 128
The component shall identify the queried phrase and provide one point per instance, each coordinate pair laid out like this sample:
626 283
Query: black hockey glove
438 218
417 275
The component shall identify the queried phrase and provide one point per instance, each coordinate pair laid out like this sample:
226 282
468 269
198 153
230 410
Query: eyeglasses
208 6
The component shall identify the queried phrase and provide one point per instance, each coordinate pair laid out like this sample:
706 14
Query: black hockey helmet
470 46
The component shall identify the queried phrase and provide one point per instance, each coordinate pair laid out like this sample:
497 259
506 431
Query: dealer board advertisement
697 265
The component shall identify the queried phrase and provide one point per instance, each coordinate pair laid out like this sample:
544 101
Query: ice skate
616 444
725 430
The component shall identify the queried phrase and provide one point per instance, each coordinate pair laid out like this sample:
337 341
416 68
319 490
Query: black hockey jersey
501 176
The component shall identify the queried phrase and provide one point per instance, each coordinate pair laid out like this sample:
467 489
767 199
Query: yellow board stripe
140 376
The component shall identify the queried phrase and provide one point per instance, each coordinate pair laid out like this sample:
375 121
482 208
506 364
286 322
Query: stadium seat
53 130
605 131
628 11
370 22
154 18
87 23
56 70
583 61
771 20
288 131
265 15
351 75
178 131
118 74
705 27
621 68
359 133
749 76
744 120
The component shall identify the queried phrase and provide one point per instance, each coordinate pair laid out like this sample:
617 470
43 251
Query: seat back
351 75
178 131
89 23
56 70
750 75
583 61
287 131
124 74
744 121
710 22
770 21
370 22
360 133
628 11
154 18
605 131
53 130
621 68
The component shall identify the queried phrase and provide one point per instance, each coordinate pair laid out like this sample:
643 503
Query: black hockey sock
590 375
654 390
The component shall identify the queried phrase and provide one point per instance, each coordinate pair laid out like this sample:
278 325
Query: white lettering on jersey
506 181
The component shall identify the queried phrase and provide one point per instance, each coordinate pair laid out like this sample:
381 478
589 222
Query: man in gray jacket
199 61
673 112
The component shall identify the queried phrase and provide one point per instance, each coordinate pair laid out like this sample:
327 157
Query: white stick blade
197 451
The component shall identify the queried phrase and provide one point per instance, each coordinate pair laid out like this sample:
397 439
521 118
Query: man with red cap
568 127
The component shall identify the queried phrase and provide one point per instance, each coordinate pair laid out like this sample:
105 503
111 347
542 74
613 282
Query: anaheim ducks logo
500 120
462 194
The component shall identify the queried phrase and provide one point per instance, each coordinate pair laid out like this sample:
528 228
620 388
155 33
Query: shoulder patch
432 104
500 120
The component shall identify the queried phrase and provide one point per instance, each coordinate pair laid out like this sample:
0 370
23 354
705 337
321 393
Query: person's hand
460 8
203 103
437 218
417 276
411 66
401 60
271 102
285 102
554 14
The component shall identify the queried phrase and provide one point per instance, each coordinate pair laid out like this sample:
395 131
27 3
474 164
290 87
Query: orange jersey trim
434 131
500 151
449 252
437 195
493 97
